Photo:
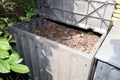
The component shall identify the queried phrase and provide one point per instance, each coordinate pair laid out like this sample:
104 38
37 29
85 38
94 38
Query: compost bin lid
109 51
93 14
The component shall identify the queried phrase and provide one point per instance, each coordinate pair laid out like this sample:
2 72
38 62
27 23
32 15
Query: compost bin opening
73 37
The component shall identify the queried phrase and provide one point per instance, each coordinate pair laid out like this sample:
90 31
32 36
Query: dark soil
64 34
14 76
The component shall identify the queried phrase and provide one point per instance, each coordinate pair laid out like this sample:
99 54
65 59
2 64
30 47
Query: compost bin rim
18 29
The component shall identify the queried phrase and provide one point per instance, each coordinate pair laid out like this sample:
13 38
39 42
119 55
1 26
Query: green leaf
9 38
14 52
4 66
2 23
6 34
3 1
4 54
1 32
10 23
14 59
18 61
9 3
19 68
12 41
1 79
4 45
22 18
14 55
5 19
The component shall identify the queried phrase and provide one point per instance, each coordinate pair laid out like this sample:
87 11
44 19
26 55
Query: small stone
82 34
82 48
82 42
78 35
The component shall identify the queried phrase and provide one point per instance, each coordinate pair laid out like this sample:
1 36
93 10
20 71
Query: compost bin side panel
26 53
63 63
23 48
105 71
31 51
26 45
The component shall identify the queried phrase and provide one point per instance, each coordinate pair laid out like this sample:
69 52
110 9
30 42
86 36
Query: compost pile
69 36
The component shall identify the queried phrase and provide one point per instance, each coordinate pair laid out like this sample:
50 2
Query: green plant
6 17
30 9
1 79
4 29
10 60
10 14
7 11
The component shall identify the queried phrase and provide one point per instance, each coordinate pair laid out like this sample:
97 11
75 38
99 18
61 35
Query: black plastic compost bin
50 60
